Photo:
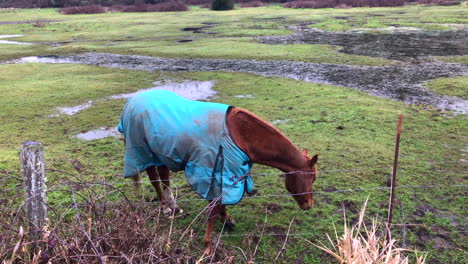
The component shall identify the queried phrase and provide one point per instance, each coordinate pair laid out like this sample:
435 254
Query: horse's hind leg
168 197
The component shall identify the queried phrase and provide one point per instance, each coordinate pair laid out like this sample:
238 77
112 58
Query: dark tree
222 5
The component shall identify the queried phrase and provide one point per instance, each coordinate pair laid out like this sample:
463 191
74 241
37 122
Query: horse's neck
263 143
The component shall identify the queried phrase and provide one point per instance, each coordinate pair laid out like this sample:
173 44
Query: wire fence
87 199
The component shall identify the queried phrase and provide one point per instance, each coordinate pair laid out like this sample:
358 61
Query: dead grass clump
40 23
253 4
363 245
90 9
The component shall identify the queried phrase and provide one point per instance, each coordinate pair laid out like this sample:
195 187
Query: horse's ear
313 160
304 152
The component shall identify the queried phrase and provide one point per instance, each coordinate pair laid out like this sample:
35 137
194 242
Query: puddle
75 109
244 96
102 132
13 42
399 43
192 90
403 83
279 121
45 59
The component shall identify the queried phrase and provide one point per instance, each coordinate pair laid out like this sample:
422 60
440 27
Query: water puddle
399 43
10 42
279 121
45 59
403 82
75 109
244 96
192 90
102 132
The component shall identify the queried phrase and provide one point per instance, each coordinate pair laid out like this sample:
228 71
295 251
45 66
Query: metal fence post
34 178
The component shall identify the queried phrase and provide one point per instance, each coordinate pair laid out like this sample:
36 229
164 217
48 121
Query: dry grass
360 244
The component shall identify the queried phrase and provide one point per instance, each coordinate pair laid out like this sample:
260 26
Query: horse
157 124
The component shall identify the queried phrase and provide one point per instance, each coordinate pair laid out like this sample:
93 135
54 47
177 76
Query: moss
450 86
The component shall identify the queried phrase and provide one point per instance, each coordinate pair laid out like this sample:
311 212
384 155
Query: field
289 66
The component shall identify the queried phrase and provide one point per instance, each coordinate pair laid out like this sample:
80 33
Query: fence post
34 178
393 180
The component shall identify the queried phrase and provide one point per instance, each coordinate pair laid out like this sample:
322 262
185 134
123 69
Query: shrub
253 4
91 9
222 5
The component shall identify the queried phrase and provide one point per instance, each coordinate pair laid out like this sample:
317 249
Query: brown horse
265 145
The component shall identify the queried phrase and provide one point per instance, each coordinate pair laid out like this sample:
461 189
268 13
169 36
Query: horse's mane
262 123
256 137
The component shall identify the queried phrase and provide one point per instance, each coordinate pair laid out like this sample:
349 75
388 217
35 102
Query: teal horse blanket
163 128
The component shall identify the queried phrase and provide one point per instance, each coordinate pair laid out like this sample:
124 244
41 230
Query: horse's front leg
229 223
214 210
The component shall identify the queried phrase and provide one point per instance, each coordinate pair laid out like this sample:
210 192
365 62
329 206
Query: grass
156 34
350 130
450 86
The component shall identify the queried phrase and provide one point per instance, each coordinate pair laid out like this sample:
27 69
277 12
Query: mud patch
403 83
399 43
200 30
10 42
102 132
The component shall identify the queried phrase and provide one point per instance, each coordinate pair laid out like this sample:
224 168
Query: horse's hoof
207 251
230 225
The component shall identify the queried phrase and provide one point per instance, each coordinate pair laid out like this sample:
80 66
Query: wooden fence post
34 178
393 179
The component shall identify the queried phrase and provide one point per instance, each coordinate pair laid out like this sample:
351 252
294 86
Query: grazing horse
215 144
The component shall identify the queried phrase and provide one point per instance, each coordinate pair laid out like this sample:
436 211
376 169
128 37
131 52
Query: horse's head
299 183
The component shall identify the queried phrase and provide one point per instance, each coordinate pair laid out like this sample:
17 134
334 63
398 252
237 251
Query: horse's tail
136 182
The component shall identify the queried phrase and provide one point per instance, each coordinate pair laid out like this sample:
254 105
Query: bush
91 9
253 4
162 7
222 5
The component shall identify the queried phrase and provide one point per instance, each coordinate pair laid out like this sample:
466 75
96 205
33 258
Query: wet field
400 82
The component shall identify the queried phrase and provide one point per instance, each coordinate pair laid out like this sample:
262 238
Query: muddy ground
404 83
396 43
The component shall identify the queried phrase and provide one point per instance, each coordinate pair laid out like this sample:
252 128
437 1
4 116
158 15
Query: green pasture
353 132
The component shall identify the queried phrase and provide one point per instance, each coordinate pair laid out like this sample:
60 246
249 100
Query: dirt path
403 83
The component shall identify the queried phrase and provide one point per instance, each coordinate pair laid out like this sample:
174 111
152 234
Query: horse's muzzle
307 205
